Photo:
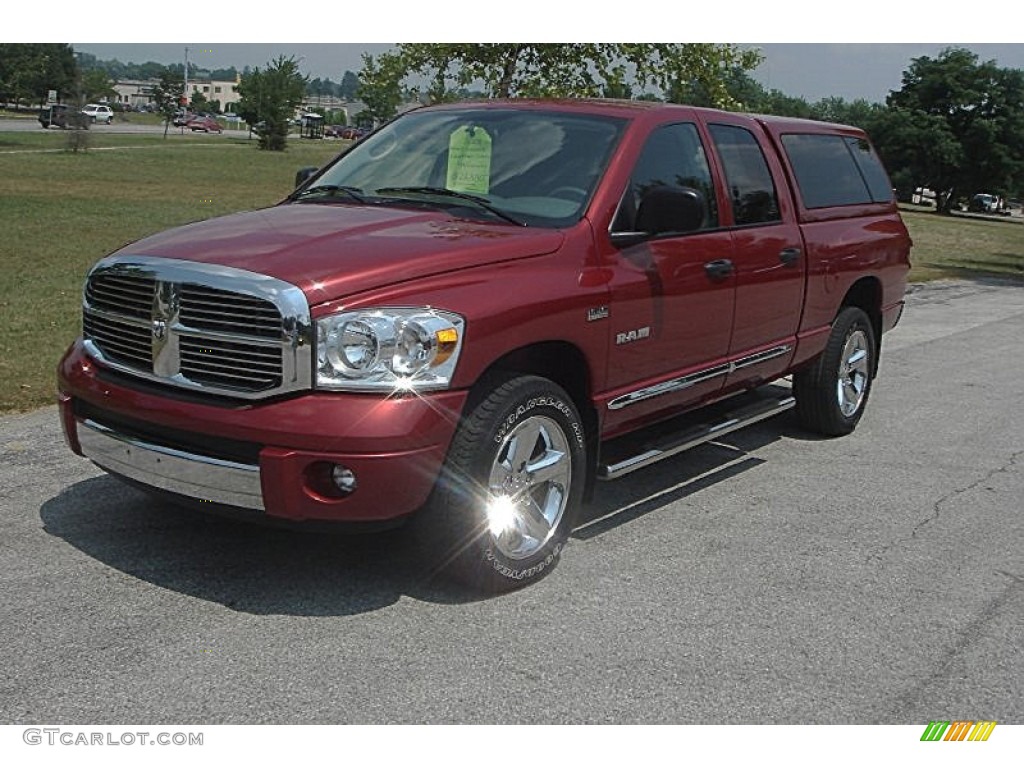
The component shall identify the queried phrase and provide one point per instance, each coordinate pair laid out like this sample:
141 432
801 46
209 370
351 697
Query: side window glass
826 172
672 157
871 167
751 188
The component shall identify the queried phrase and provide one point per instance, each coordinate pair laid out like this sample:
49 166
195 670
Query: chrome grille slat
208 328
266 355
127 295
229 311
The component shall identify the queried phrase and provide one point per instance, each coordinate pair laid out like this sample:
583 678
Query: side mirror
304 175
665 210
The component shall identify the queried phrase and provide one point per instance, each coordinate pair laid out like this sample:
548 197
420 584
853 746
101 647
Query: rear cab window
836 170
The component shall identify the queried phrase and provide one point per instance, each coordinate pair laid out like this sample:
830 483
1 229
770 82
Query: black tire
832 393
490 524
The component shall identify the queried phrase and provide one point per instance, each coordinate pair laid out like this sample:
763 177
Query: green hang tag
469 161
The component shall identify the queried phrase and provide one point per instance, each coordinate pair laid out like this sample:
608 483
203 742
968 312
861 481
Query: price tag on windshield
469 161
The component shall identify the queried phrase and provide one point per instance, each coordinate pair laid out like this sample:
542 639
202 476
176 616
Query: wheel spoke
523 444
551 466
534 522
858 359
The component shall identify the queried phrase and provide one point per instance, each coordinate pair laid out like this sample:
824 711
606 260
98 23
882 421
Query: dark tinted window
750 184
673 156
826 172
872 170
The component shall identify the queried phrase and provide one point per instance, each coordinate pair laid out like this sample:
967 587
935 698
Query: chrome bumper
188 474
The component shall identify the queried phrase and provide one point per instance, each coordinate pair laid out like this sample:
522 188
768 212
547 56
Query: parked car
984 203
353 132
54 115
181 117
204 123
479 311
98 113
334 131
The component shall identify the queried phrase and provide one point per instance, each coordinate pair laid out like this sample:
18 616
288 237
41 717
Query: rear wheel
511 489
831 395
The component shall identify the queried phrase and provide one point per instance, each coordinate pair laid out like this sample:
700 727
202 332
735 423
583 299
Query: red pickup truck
480 309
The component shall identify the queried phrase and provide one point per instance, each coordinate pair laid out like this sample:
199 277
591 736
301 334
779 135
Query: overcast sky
814 50
811 70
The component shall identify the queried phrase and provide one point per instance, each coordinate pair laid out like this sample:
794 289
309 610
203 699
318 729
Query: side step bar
672 445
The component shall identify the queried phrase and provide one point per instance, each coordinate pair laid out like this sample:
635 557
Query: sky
812 50
811 70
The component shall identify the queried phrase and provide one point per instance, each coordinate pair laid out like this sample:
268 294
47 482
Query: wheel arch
866 294
562 363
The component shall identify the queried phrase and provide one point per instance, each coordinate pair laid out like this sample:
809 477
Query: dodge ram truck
478 311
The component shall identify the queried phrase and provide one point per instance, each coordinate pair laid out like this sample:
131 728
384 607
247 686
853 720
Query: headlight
388 349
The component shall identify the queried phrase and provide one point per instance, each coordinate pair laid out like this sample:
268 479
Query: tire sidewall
816 387
521 399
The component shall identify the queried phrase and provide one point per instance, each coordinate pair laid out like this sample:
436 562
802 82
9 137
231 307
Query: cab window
673 157
751 187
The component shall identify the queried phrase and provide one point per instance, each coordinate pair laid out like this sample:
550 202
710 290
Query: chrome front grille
216 329
121 341
124 294
228 312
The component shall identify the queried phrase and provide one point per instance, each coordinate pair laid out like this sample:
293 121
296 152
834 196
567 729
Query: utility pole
187 99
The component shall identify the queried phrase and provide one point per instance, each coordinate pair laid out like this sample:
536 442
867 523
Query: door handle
718 269
789 255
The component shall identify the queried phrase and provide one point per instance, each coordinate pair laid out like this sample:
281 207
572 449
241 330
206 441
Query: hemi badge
596 313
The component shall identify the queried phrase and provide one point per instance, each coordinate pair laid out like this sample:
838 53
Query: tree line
955 125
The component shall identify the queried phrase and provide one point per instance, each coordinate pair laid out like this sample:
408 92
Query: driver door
673 294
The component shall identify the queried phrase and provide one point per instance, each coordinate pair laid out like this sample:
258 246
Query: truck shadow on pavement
260 570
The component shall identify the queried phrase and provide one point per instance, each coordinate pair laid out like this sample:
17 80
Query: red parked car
474 314
204 123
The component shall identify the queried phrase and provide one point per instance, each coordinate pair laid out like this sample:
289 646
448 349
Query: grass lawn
959 246
61 211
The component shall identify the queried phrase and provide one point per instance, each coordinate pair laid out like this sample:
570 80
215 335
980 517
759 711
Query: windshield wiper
329 189
481 202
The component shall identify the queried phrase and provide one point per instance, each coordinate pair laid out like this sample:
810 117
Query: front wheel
511 488
831 394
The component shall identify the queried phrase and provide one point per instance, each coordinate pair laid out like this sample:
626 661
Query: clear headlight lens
388 349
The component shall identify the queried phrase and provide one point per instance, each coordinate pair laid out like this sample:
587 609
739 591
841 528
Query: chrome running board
673 444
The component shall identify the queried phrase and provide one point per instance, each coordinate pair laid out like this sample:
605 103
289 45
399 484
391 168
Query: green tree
97 86
269 97
380 87
918 149
569 69
28 71
982 106
199 101
349 86
168 95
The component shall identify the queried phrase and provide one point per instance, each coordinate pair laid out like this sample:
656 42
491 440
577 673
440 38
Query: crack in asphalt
964 640
937 507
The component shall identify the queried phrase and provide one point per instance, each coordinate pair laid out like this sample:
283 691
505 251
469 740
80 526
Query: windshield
520 166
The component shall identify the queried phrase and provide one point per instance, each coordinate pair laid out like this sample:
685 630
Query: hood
332 251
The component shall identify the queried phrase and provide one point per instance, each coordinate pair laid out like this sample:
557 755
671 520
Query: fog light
344 479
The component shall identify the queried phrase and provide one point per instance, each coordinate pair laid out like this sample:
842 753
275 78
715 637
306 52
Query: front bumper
274 456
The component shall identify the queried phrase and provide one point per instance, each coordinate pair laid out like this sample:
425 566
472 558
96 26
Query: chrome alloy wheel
853 373
528 488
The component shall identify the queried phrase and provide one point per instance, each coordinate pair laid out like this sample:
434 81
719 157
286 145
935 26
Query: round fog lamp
344 478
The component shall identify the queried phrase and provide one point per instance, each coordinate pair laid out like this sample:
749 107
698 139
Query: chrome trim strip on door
684 382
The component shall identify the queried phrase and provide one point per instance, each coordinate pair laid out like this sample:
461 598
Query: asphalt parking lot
770 578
